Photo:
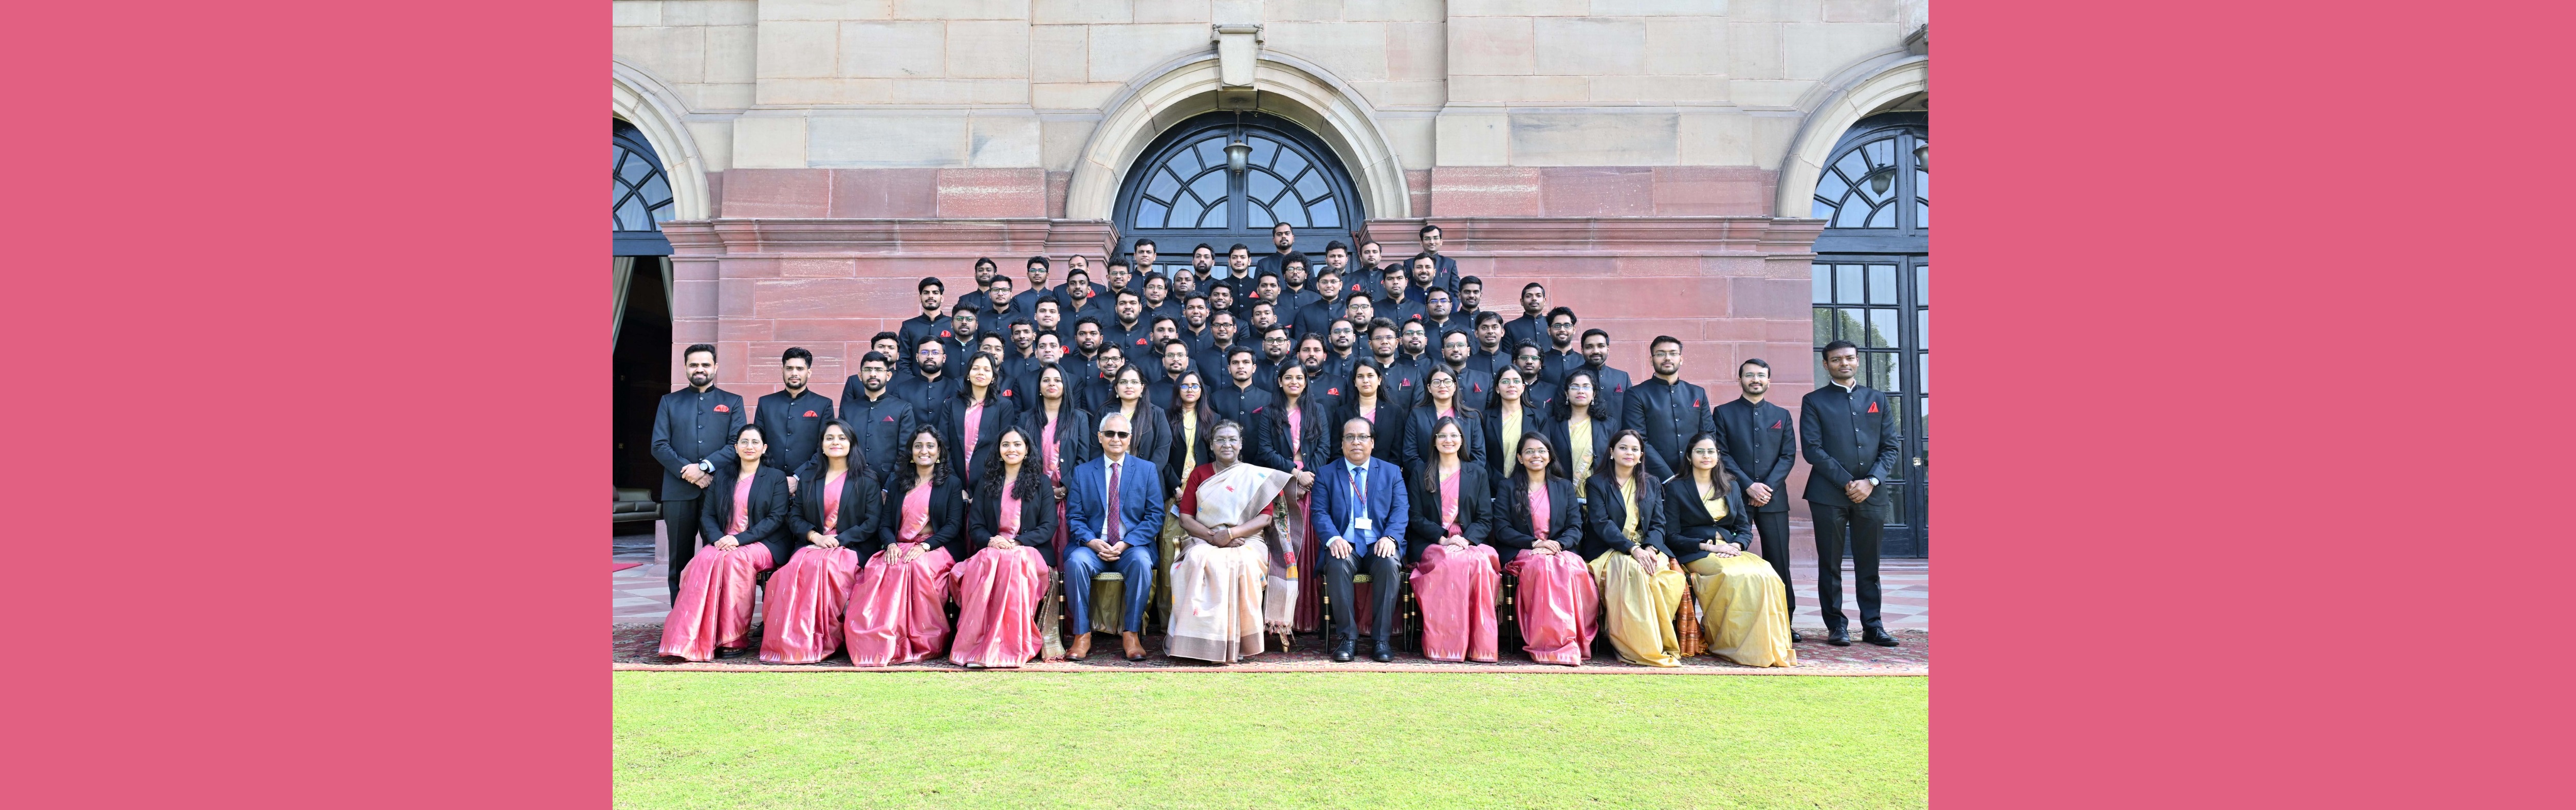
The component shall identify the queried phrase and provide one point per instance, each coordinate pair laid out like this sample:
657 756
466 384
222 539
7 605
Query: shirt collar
1846 388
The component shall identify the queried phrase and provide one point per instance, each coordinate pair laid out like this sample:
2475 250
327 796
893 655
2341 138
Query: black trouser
1856 527
680 522
1774 528
1338 572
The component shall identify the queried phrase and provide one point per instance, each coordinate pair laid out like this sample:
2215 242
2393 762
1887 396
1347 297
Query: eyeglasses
1357 437
1189 385
1113 434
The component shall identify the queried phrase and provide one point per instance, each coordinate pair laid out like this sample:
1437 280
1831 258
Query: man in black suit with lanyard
1759 445
1850 435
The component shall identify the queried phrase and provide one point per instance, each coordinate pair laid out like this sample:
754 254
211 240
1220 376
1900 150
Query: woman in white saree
1225 508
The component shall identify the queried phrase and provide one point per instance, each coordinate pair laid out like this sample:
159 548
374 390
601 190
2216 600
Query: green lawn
1027 740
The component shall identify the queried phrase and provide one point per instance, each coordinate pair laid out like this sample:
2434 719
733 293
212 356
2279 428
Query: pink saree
998 594
896 613
714 606
1455 589
801 613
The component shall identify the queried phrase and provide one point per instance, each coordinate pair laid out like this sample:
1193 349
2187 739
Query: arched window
1873 287
639 194
1181 193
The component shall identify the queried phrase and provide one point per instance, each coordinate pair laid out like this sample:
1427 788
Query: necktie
1359 509
1109 528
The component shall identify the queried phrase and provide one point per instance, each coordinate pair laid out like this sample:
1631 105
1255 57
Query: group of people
1211 440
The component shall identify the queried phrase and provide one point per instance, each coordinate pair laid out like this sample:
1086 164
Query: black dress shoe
1796 638
733 652
1344 649
1382 652
1839 638
1877 636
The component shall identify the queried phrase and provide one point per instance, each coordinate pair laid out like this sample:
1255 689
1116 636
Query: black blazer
1314 426
1173 471
1417 433
1603 431
969 461
1761 444
1387 427
1037 522
1847 437
1512 530
768 507
862 499
1501 460
1604 512
1668 414
1688 524
1475 509
1076 441
947 516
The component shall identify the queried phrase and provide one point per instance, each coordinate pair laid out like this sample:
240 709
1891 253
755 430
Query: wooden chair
1408 624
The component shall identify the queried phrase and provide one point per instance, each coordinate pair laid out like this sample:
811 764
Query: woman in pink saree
801 614
1011 526
1225 509
746 512
1537 518
897 610
1456 571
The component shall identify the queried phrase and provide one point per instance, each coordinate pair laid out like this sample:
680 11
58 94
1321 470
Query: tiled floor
642 593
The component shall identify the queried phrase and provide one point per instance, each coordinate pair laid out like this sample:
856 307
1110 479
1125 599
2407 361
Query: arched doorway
1181 193
1873 274
640 200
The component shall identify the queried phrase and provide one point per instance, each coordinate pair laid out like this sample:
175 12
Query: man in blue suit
1113 508
1359 507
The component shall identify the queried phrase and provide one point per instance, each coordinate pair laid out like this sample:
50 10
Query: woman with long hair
1537 518
1511 416
1368 400
1064 441
1152 428
1010 525
836 516
1225 510
1456 568
1624 536
1579 431
1744 606
746 512
897 610
1190 421
1294 437
973 420
1441 400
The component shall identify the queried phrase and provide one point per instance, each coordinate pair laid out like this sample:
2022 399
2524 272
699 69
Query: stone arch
639 99
1289 87
1859 92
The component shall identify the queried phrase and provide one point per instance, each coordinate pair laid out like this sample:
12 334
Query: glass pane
1923 372
1882 153
1260 213
632 217
1820 375
1325 213
1922 328
616 157
1824 278
1185 213
662 213
1209 187
1213 217
1882 284
1922 215
1923 285
1211 153
1292 213
1162 185
1876 188
1853 165
1311 185
656 192
1847 283
1855 214
1848 324
1899 511
1263 150
1878 370
1923 185
1265 188
1824 319
635 170
1820 210
1923 406
1151 214
1884 217
1832 186
617 192
1289 163
1882 328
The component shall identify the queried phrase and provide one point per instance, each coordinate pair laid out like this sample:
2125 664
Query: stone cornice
887 236
1502 236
